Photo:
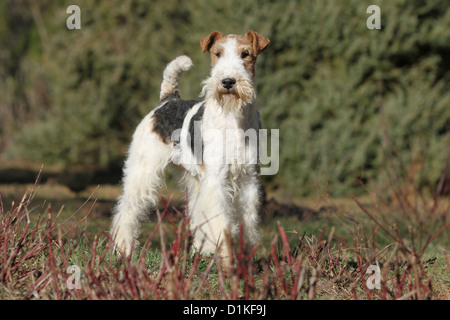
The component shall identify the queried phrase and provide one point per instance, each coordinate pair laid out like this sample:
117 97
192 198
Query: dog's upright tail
172 75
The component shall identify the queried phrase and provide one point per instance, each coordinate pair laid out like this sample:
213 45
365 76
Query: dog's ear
258 42
208 41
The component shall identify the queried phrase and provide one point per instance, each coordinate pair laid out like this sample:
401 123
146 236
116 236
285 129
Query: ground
303 228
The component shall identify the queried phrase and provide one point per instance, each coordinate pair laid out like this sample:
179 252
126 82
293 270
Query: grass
323 254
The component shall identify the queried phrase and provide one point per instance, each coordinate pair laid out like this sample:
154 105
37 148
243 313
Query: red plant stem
374 220
309 254
434 237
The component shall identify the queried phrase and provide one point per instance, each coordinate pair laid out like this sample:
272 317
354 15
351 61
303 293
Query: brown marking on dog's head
249 46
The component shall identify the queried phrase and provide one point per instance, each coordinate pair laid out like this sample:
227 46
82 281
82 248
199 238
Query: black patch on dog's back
170 116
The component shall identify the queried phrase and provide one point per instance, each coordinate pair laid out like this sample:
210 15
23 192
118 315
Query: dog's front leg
209 211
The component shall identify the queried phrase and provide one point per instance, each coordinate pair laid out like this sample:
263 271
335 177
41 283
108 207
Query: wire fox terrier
214 140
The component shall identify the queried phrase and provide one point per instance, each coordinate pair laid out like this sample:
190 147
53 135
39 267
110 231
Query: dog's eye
245 54
217 54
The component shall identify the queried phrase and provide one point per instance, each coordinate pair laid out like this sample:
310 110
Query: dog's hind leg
143 174
249 201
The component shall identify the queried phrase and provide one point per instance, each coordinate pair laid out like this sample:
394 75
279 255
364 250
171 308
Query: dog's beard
233 100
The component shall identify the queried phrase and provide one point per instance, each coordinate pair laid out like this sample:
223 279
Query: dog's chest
229 143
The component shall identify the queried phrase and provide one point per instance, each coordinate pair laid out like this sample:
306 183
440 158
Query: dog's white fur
223 191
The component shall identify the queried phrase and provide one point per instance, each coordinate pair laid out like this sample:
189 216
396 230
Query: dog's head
233 59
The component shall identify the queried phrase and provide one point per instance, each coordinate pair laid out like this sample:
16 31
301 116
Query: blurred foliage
344 97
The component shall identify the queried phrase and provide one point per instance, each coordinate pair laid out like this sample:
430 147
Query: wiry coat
214 140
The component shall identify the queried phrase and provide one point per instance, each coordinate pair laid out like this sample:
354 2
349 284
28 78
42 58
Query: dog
215 141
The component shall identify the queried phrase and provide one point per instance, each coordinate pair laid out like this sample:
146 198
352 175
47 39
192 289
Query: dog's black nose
228 83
